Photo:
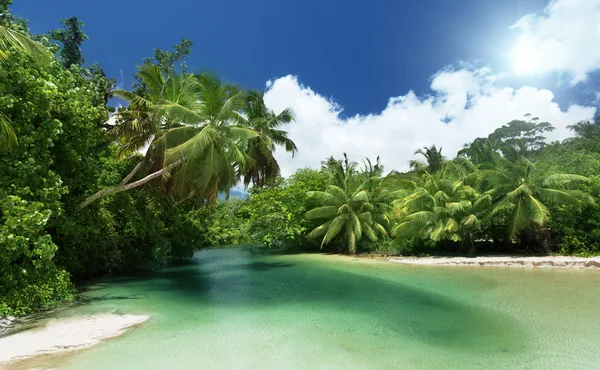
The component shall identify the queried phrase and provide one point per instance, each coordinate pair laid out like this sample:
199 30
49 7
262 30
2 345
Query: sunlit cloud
563 38
465 103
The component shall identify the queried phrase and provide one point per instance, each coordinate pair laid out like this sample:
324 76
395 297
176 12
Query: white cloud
564 38
465 104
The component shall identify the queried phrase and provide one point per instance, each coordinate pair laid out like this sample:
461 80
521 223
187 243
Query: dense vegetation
77 199
508 192
58 151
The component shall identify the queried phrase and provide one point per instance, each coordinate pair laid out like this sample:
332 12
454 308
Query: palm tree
480 151
187 121
587 129
341 172
520 191
262 147
196 134
440 209
211 150
434 160
348 213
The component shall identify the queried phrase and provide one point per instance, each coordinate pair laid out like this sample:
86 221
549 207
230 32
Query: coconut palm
262 147
342 172
521 192
348 216
440 209
197 137
480 151
188 123
434 160
348 213
587 129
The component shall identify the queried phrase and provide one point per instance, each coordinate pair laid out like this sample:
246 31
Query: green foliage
63 154
576 230
434 159
227 224
199 140
439 210
29 278
166 60
348 212
262 165
520 192
71 37
276 211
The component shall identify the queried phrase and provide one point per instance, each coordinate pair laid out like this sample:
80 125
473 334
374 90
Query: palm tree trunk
473 249
124 187
131 174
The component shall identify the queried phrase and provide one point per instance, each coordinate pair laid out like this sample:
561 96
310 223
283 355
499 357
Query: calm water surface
252 309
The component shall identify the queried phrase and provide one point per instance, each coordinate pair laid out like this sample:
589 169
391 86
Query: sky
366 77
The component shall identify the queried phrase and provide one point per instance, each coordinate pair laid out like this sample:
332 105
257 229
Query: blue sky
332 60
359 52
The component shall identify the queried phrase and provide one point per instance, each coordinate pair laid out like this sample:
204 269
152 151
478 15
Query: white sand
65 335
507 261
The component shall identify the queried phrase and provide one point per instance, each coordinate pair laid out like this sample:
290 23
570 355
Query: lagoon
251 308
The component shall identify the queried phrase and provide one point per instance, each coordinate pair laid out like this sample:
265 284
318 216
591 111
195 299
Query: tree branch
134 184
131 174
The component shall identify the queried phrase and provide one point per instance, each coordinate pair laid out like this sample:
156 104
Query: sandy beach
62 335
504 261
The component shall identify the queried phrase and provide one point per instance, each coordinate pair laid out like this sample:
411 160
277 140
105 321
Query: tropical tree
196 133
187 122
348 212
480 151
71 37
10 38
521 192
342 172
261 148
587 129
433 157
438 209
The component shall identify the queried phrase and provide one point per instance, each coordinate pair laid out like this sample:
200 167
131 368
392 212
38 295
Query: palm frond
322 212
562 180
8 138
564 196
10 38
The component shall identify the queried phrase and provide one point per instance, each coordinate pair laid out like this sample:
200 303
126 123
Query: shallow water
253 309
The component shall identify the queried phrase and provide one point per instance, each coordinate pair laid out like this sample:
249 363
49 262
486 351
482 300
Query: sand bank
504 261
63 335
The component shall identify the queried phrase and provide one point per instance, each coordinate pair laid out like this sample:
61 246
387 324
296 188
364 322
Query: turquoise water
252 309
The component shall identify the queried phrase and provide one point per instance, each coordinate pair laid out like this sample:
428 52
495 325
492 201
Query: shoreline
583 263
64 335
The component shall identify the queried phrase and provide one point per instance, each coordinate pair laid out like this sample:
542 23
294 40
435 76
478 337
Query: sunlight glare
524 58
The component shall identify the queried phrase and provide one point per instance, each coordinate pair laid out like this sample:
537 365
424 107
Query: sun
525 58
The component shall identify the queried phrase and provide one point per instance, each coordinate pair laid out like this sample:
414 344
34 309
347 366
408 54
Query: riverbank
64 335
504 261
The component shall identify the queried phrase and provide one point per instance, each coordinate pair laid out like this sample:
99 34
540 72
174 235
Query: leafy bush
276 213
29 280
228 224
